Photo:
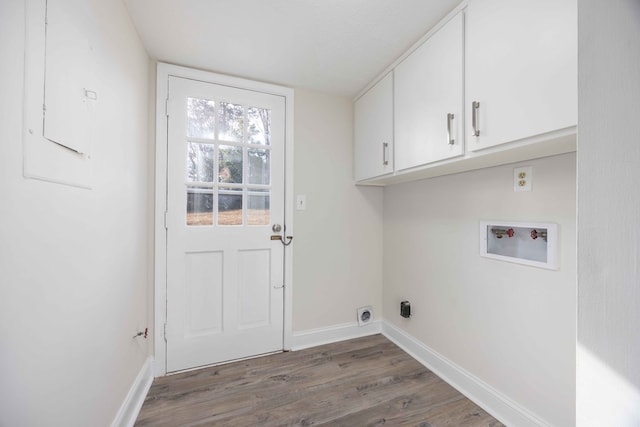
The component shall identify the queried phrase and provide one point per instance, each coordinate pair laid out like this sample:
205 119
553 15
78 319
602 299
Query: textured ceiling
333 46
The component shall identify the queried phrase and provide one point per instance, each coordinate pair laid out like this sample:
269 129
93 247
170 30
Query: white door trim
160 256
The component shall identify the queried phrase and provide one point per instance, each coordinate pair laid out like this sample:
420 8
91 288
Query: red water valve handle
534 234
510 232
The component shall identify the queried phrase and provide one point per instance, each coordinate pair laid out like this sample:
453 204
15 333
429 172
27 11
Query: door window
232 140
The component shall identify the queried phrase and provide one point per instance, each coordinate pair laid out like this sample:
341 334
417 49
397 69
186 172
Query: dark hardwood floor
362 382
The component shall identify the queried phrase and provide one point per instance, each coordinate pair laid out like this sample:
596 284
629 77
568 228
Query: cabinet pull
475 111
450 118
385 162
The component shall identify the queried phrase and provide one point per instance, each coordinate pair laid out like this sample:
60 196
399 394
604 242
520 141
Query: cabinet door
428 99
373 131
521 69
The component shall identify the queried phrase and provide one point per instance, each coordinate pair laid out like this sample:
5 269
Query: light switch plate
301 202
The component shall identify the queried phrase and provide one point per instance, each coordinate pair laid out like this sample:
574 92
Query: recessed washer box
529 243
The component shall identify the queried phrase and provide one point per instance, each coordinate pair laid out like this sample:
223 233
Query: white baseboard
346 331
130 408
485 396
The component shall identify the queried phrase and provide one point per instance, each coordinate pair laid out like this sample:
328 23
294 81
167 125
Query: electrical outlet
365 315
522 178
405 309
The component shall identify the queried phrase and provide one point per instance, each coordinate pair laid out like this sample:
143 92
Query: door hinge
166 227
165 332
166 107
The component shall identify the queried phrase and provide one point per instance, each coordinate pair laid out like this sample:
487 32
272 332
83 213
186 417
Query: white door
225 192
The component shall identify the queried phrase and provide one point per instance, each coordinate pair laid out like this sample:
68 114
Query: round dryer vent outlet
365 315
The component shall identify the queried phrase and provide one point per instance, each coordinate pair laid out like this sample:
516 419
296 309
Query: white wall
608 368
510 325
73 263
339 234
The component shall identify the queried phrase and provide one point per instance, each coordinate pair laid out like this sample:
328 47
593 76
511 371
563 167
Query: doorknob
276 228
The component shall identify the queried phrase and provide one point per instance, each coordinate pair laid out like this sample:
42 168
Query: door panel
225 191
204 290
254 269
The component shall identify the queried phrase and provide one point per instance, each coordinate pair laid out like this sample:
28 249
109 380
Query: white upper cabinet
494 83
428 99
521 69
373 131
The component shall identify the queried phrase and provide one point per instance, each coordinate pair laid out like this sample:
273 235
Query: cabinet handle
475 112
450 118
385 146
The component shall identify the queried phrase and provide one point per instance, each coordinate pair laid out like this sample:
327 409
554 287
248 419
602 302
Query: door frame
164 71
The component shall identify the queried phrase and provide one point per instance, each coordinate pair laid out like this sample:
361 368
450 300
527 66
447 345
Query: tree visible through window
242 138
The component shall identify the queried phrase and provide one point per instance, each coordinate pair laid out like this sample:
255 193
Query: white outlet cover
527 178
301 202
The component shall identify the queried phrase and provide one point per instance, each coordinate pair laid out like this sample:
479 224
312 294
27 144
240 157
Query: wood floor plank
362 382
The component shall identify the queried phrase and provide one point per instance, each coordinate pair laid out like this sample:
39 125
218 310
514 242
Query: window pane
230 207
199 162
258 166
230 164
231 121
199 206
258 207
259 129
200 118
